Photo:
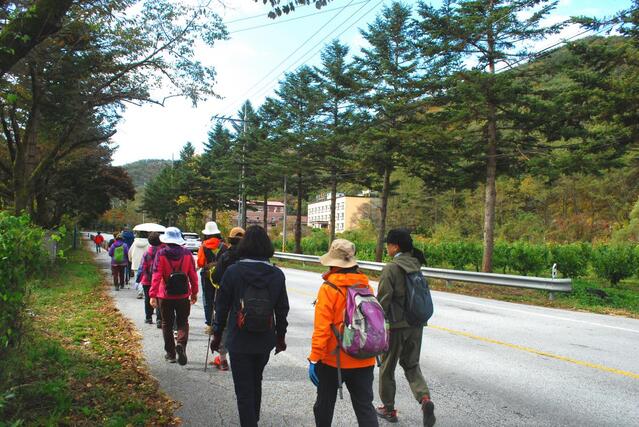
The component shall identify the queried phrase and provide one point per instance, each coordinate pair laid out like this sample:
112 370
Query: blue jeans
208 293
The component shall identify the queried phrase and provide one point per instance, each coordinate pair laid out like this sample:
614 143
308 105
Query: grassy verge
622 300
79 362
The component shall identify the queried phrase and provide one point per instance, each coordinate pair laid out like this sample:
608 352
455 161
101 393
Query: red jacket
167 261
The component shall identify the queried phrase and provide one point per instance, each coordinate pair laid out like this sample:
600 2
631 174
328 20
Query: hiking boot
169 358
385 414
181 354
159 324
224 366
428 408
117 289
140 296
216 362
148 321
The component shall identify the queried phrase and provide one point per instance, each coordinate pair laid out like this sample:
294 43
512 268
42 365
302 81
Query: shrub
526 258
22 255
501 256
572 259
614 262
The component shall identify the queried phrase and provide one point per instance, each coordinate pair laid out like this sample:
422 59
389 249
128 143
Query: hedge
22 256
610 262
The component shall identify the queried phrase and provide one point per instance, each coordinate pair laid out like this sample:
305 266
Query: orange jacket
329 309
214 244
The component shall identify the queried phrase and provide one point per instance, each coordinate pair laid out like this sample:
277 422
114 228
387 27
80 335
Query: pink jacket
168 260
148 261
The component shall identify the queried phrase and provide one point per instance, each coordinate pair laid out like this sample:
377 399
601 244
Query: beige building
349 210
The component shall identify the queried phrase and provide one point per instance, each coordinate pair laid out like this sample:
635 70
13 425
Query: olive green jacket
391 290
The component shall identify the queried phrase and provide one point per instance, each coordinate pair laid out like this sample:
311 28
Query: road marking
538 352
515 310
535 313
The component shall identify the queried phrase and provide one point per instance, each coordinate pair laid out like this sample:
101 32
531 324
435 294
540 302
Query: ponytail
419 255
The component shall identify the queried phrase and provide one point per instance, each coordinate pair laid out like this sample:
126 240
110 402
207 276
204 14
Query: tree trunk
265 207
491 161
491 196
298 217
333 201
214 211
379 250
244 209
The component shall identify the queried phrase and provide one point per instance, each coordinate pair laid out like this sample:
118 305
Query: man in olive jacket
405 340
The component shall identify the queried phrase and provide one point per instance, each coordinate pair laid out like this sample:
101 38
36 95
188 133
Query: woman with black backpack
174 289
253 297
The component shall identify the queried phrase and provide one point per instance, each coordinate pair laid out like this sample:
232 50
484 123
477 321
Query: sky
252 61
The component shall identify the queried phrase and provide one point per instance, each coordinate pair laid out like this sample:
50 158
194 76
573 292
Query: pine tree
489 34
299 103
337 82
389 78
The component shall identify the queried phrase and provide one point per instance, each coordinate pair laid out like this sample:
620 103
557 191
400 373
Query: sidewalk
208 398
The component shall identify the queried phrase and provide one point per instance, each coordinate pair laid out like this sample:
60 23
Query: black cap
400 237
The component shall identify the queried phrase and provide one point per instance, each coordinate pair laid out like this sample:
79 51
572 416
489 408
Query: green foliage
615 262
571 259
529 258
22 256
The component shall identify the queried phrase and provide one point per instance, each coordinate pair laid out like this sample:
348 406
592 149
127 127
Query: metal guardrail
529 282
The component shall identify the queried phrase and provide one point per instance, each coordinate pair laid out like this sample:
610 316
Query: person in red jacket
98 242
173 286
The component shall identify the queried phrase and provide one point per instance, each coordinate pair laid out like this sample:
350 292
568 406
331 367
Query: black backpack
256 310
178 283
418 306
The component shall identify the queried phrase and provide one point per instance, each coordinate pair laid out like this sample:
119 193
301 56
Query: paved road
487 362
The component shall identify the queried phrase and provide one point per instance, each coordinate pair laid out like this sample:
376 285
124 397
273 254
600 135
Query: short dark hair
255 244
154 238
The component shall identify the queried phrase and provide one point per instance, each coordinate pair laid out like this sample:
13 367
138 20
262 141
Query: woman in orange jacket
329 310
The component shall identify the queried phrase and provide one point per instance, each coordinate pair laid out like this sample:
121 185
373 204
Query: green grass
79 360
622 299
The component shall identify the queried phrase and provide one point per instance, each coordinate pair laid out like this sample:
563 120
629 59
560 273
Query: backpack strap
334 286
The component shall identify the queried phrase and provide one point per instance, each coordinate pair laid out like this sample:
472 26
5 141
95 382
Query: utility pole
241 200
285 214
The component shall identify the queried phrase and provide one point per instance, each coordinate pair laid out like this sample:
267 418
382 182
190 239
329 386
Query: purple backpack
365 331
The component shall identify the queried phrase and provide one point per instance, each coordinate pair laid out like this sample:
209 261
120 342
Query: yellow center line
509 345
538 352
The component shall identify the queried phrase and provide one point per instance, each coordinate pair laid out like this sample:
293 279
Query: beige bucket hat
341 254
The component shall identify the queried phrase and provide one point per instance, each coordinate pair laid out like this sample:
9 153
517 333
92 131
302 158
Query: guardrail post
448 284
551 296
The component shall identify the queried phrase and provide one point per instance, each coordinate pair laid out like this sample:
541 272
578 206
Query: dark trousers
208 293
117 271
359 382
247 372
148 310
175 310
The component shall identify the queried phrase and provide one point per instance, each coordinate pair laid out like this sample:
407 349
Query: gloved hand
312 374
281 344
216 341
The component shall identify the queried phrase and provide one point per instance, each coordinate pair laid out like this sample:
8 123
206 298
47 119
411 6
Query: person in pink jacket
174 289
145 273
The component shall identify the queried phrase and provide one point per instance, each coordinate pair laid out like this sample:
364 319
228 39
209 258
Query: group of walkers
246 308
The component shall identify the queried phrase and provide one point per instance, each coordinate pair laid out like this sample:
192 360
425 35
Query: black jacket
225 259
261 274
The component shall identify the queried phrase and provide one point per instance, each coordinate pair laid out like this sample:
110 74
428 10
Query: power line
294 19
305 56
288 57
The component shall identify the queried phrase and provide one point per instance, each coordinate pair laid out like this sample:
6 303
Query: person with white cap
173 286
207 255
225 259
